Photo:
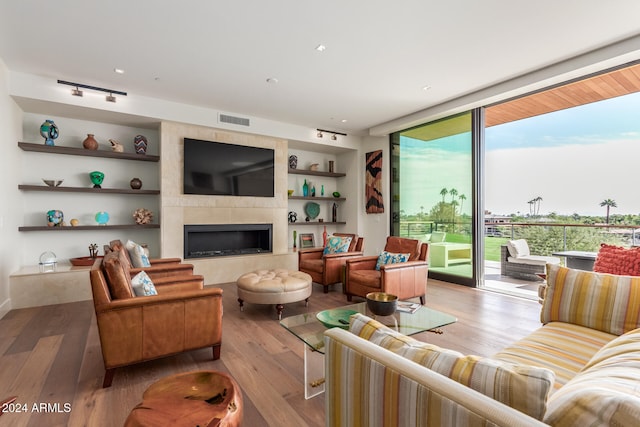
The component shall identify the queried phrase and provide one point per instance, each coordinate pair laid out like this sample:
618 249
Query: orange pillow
618 260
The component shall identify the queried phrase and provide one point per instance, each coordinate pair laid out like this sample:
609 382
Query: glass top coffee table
308 328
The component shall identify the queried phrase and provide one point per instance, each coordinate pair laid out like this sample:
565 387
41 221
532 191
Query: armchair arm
405 279
362 263
156 261
334 264
311 253
137 302
164 270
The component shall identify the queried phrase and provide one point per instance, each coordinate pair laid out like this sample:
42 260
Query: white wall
375 226
10 203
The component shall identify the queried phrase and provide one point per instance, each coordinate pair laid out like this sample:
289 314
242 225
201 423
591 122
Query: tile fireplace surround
179 210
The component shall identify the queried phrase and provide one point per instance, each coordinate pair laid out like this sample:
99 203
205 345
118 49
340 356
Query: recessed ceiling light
321 48
344 120
272 80
426 88
118 70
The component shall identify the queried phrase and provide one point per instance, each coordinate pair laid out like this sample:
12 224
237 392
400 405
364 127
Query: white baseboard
5 306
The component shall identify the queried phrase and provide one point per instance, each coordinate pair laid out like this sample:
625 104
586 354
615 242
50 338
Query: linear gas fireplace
213 240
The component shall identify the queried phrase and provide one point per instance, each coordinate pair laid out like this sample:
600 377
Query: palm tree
609 204
453 192
443 193
537 200
531 209
462 198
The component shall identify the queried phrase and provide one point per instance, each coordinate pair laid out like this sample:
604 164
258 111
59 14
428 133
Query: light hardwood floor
52 355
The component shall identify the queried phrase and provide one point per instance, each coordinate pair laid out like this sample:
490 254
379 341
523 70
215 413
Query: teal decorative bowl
336 194
335 318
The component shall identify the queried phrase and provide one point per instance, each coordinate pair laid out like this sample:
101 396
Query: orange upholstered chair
327 269
181 316
404 279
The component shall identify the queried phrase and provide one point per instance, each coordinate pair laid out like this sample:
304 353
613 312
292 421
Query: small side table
204 398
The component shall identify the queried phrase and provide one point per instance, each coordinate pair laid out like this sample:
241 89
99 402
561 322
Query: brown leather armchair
182 317
328 269
406 279
160 267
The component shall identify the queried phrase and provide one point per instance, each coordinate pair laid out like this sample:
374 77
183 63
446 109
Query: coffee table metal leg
313 372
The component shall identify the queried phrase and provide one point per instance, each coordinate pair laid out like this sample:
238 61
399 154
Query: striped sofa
581 368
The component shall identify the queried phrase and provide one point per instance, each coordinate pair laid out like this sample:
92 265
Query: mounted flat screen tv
219 169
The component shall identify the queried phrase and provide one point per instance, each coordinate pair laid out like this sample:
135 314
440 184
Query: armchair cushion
390 258
618 260
138 255
518 248
400 245
142 285
337 244
118 278
522 387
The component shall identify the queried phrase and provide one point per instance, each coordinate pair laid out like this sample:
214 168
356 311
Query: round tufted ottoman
277 287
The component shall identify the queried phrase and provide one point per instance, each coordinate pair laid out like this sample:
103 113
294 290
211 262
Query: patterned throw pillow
142 285
618 260
391 258
139 255
337 245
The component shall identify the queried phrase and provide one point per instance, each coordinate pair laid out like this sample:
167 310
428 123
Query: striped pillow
595 300
606 392
522 387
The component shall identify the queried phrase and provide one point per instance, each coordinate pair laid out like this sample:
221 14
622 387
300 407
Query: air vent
224 118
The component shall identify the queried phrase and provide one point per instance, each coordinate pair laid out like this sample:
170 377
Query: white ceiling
379 53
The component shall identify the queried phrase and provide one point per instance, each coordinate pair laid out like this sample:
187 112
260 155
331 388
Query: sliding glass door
432 188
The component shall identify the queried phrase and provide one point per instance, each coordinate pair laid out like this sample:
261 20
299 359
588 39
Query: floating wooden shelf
63 189
72 151
323 198
88 227
316 173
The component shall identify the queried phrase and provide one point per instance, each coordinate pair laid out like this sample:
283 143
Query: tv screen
220 169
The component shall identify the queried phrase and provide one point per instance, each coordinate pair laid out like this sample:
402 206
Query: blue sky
573 159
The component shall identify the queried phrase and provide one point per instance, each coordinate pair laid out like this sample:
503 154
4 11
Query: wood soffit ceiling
597 88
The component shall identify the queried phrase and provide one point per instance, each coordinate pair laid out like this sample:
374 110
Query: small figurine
49 131
116 146
293 217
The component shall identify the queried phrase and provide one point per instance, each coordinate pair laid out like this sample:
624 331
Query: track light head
111 98
334 137
319 134
76 92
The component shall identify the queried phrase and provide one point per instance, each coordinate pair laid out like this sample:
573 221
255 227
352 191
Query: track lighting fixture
78 92
334 134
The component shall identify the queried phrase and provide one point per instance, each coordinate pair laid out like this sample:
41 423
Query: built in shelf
316 198
316 173
317 223
88 227
25 187
72 151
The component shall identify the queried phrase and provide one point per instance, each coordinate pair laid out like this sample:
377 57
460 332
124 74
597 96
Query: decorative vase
96 178
295 235
55 218
140 144
322 190
136 183
331 166
334 213
49 132
293 161
90 142
324 236
102 218
313 190
305 189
